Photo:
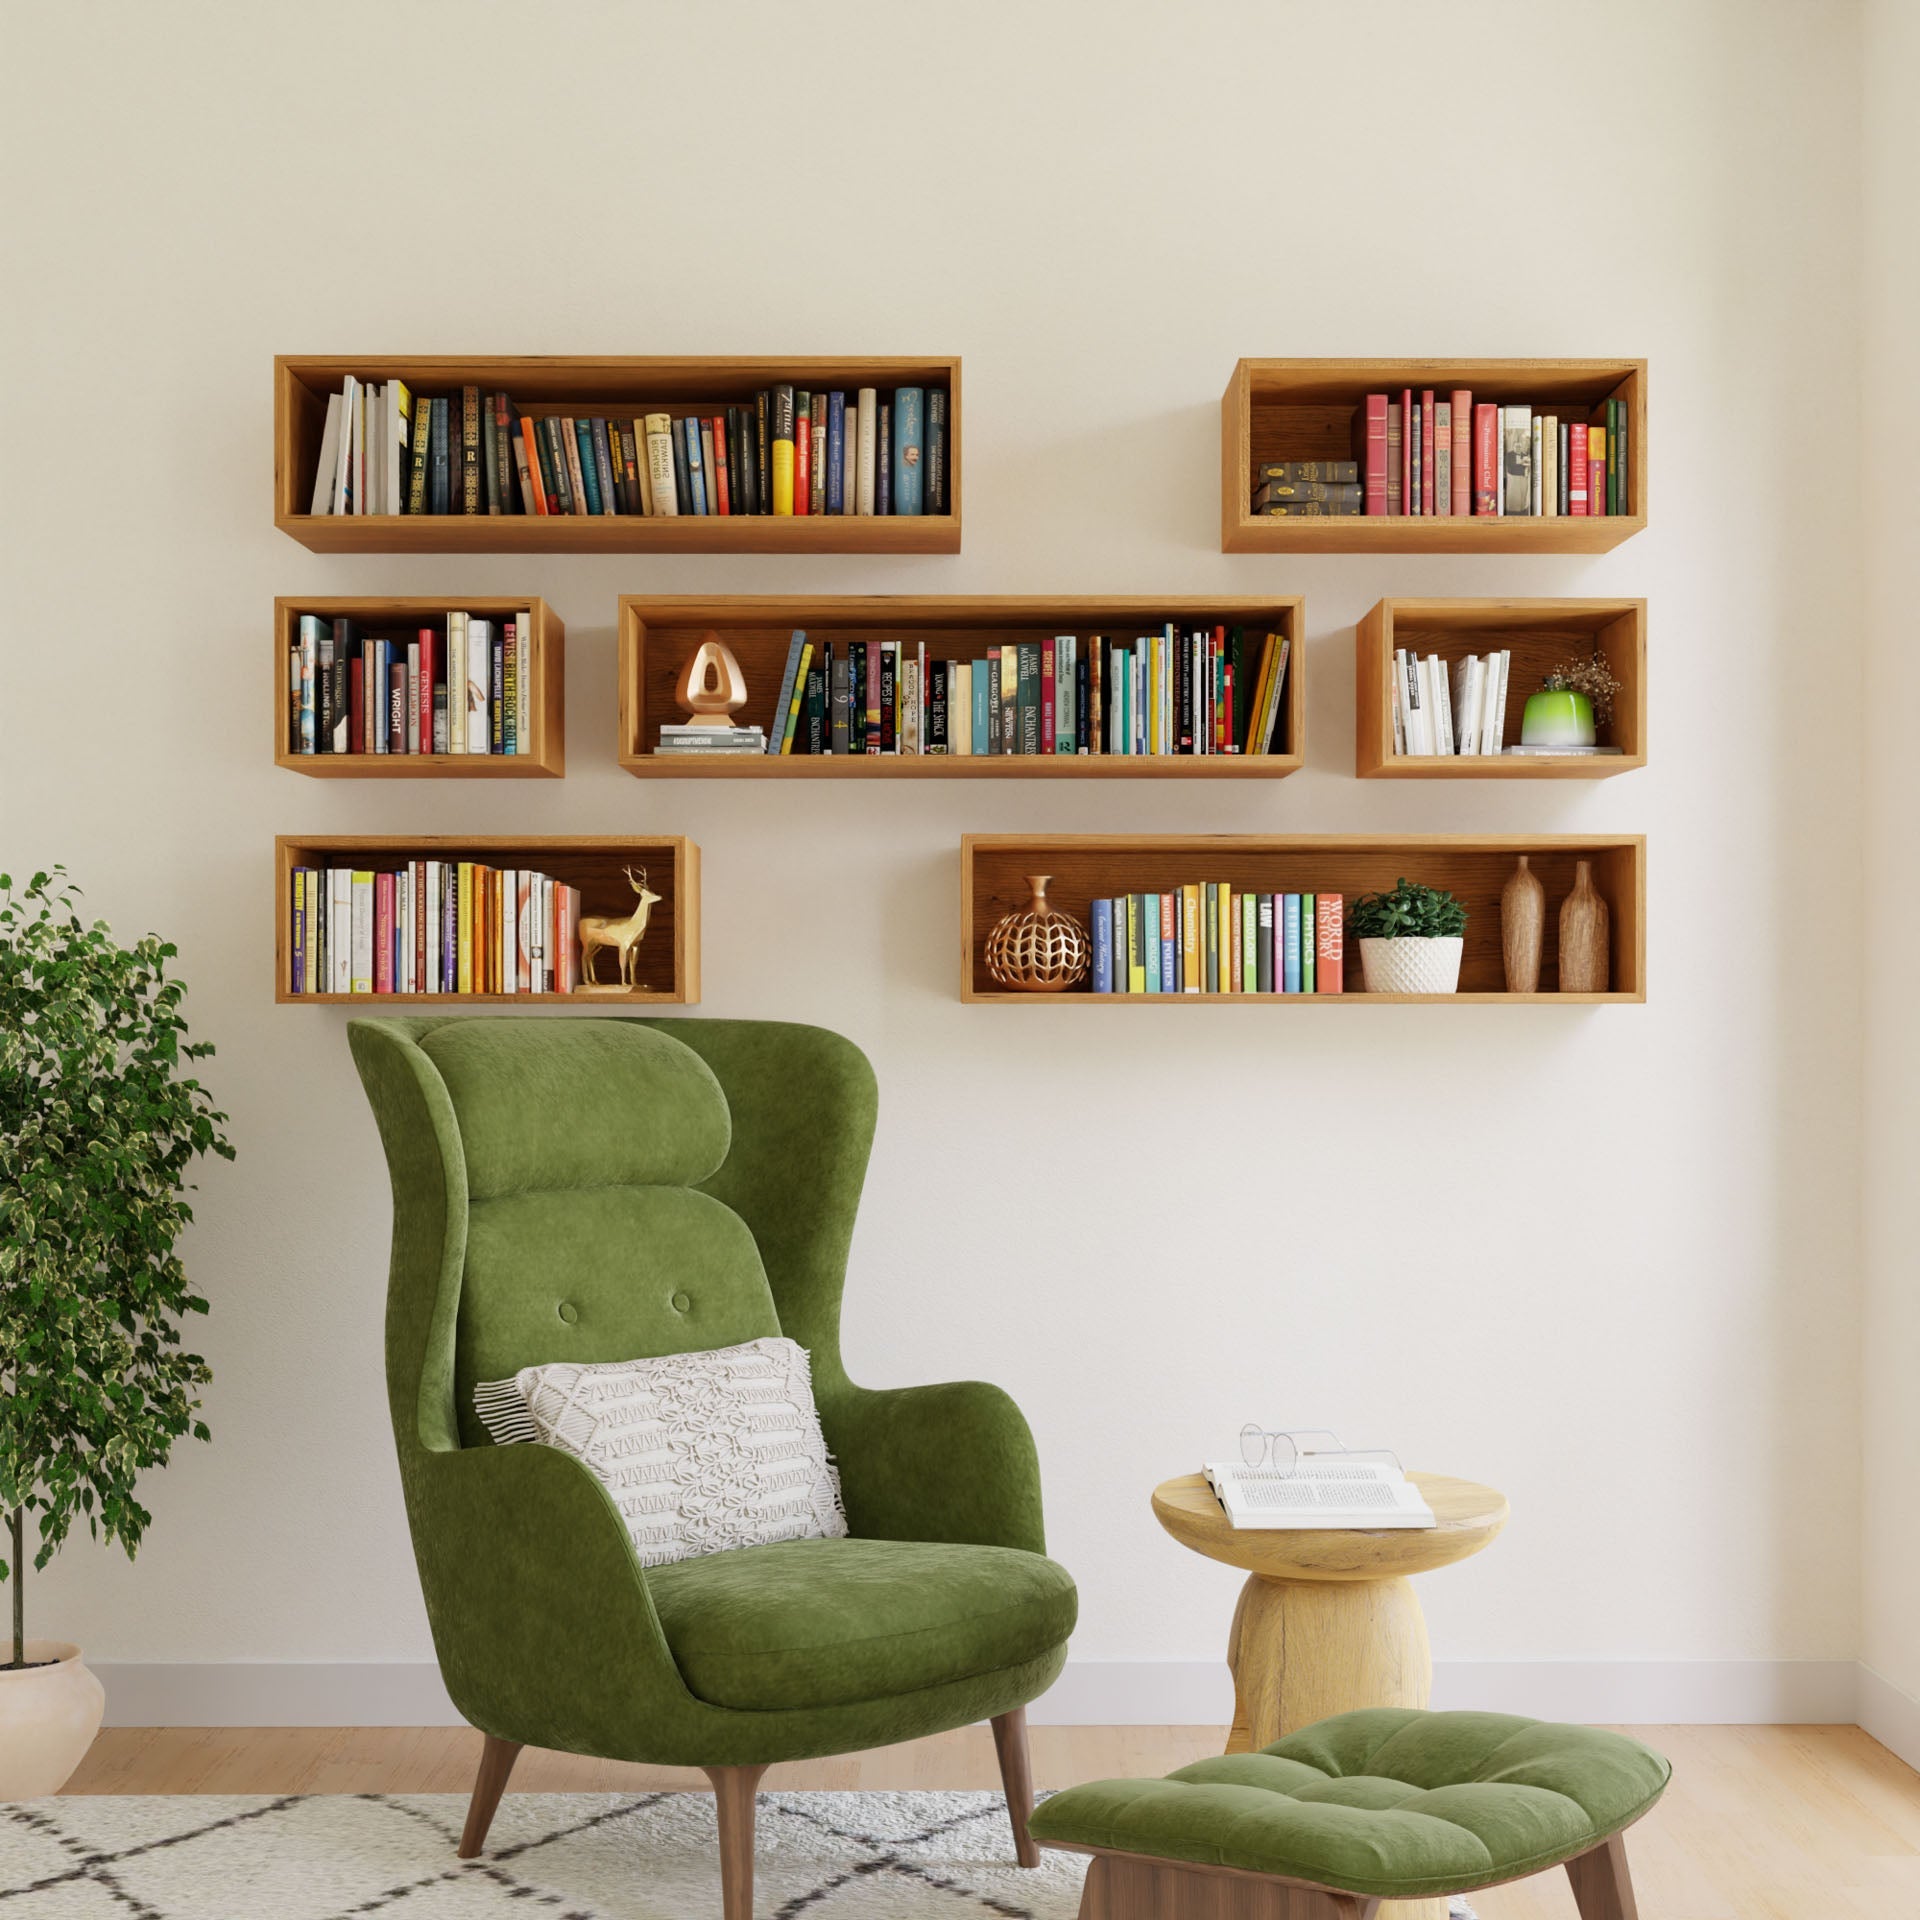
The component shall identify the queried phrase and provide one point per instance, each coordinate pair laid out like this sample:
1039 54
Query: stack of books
434 926
1205 691
1429 453
1206 938
1438 709
693 739
349 692
386 449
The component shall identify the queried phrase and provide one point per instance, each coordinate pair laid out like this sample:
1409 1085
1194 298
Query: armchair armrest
953 1462
541 1617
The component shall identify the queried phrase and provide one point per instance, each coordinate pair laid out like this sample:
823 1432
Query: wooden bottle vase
1523 927
1586 942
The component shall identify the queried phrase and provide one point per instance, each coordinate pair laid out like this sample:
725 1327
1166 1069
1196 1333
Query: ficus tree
100 1121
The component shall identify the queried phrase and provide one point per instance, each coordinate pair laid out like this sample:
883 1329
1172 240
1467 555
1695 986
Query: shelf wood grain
1540 634
669 955
624 385
401 618
1315 410
1088 867
657 636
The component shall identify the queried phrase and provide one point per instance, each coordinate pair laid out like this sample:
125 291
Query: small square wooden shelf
402 619
1541 635
658 635
595 863
624 385
1316 410
1088 867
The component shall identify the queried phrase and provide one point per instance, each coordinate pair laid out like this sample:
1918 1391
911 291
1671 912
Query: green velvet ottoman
1386 1804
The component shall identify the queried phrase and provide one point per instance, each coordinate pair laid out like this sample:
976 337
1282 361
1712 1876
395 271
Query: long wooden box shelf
401 619
658 635
1541 635
1315 410
574 385
669 953
1088 867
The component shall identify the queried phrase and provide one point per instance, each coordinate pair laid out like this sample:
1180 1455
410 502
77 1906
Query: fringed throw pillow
700 1451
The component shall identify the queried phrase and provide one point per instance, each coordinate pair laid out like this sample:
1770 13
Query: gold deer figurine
599 930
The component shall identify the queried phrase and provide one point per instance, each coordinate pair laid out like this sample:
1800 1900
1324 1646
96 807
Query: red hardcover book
1374 453
1329 946
1576 468
429 646
1046 696
722 488
1409 480
1462 452
1596 470
803 461
1426 451
383 898
1486 457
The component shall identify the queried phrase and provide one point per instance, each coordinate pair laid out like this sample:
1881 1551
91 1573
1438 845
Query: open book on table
1320 1490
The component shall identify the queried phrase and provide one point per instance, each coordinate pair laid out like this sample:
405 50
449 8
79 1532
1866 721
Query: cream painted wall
1890 1641
1606 1260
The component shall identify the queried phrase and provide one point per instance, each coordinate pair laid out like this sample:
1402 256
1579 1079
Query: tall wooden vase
1523 927
1585 936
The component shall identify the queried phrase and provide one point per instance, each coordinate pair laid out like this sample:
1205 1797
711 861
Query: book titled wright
786 451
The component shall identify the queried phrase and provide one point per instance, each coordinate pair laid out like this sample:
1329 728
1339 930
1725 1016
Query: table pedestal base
1304 1650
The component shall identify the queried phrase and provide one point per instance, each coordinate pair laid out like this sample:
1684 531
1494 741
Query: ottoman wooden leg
1119 1888
1602 1887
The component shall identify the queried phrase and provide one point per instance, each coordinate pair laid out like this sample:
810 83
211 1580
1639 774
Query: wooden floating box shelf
669 952
401 619
1089 867
573 385
658 635
1541 635
1316 410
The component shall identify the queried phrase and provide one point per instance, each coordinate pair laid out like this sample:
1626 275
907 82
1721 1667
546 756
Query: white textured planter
1411 966
48 1717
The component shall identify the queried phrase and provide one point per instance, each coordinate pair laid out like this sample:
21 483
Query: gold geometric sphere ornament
1039 949
711 688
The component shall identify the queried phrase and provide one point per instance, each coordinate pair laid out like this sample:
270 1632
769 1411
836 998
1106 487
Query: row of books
1449 709
1449 455
433 926
467 688
1201 691
1208 938
386 449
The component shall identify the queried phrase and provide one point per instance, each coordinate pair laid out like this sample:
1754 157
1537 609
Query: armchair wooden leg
496 1762
1602 1887
733 1791
1016 1776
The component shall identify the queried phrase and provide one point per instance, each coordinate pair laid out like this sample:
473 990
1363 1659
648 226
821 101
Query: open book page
1319 1492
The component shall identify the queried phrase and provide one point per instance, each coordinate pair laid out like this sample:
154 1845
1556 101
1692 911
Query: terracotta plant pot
1412 966
48 1717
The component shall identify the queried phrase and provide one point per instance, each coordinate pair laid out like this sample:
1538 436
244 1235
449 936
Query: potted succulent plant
1575 700
1410 939
100 1119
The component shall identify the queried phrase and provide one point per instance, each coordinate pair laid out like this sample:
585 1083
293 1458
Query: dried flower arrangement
1592 677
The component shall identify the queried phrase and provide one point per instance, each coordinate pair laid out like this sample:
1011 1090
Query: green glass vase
1557 720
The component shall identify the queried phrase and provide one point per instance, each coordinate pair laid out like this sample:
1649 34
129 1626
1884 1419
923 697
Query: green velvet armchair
594 1189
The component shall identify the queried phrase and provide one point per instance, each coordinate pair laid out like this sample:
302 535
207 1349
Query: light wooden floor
1761 1823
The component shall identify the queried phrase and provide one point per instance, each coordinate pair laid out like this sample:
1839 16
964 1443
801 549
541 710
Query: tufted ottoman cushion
1389 1802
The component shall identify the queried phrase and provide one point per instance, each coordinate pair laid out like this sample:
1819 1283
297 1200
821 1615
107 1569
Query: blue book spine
1103 946
909 451
836 451
1290 944
589 478
1150 938
696 474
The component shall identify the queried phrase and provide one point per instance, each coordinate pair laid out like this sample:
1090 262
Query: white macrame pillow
700 1451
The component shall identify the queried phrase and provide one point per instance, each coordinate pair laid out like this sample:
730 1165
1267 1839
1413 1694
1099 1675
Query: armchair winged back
603 1189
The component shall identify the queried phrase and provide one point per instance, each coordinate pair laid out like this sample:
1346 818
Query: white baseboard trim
1891 1716
1090 1693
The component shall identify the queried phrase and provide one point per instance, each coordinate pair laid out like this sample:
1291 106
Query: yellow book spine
1229 940
1192 956
1259 707
792 721
463 928
782 476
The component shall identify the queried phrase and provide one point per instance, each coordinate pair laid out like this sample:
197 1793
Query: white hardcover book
1489 706
1441 701
479 671
360 918
431 984
1333 1492
1396 680
1500 709
340 928
343 464
326 474
523 682
960 708
395 439
376 451
867 448
1419 741
1468 693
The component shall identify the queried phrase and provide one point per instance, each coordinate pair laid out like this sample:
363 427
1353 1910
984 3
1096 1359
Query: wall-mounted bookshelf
1275 410
1540 635
669 952
401 619
1086 867
659 635
609 386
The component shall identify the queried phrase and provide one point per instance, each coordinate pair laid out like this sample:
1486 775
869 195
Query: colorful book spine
1101 920
791 673
909 448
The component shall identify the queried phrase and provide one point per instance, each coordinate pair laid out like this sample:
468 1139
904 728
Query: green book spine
1249 943
1307 919
1150 939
